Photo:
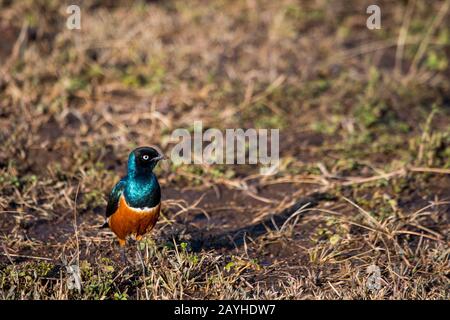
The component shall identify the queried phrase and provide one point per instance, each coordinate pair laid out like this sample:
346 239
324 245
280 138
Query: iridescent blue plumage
140 186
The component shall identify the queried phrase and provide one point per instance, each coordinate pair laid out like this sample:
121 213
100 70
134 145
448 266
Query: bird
134 203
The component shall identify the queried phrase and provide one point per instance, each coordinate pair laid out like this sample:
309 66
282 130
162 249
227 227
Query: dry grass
365 146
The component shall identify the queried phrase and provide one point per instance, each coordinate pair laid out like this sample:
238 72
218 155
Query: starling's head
143 159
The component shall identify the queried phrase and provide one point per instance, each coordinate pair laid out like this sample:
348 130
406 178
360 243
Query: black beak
160 157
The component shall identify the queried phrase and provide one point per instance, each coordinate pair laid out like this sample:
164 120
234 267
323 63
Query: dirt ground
364 180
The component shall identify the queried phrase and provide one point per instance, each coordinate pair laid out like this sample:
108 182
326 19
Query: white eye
145 157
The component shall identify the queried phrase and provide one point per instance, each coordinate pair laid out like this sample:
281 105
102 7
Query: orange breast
128 221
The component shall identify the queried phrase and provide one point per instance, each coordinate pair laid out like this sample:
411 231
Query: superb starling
135 201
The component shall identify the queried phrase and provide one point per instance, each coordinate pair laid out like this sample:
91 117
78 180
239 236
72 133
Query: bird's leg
140 257
123 257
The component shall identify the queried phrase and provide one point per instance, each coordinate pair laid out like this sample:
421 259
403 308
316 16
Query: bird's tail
105 225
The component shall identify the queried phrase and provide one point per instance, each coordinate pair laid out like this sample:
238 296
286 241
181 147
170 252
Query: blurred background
363 116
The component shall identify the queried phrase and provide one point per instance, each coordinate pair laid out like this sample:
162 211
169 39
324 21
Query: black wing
113 199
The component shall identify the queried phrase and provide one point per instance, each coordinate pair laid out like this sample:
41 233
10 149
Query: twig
7 254
75 225
430 170
399 172
371 219
417 234
295 214
24 256
402 36
426 40
17 50
386 176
